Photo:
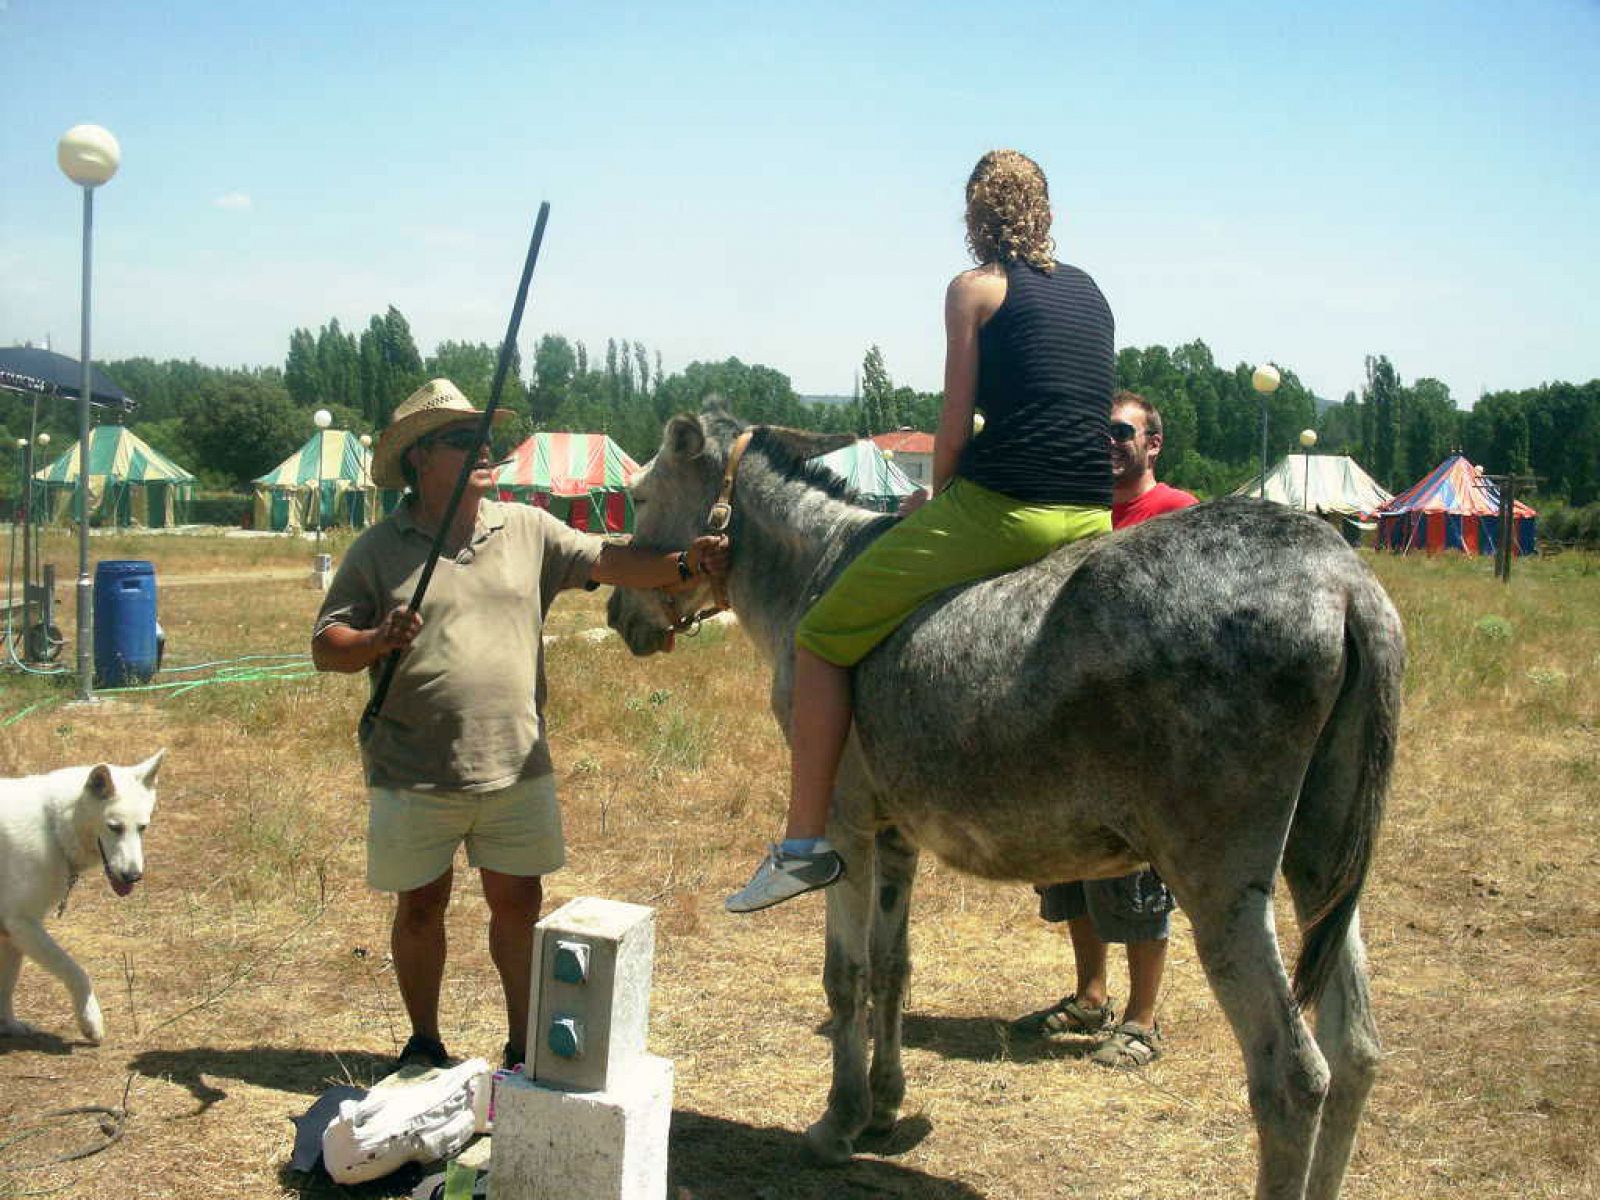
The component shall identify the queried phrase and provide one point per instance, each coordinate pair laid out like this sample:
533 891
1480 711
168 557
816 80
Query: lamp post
1308 439
25 518
369 491
322 418
1265 380
89 156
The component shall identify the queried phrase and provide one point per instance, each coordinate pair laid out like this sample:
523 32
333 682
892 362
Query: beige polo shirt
466 709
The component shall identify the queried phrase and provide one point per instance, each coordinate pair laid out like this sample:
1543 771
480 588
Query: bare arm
969 301
346 649
632 566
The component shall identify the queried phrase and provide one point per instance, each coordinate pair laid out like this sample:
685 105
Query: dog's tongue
671 639
117 885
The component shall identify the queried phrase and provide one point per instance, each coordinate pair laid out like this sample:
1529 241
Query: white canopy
1323 483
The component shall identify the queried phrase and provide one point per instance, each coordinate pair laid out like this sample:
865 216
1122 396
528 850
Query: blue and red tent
1453 507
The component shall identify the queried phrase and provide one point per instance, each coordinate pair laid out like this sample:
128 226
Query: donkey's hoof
882 1124
827 1145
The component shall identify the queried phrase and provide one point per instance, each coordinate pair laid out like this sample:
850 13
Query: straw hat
432 406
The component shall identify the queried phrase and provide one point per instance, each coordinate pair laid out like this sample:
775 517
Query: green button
572 962
566 1037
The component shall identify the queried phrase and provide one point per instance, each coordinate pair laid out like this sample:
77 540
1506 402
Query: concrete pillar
590 1119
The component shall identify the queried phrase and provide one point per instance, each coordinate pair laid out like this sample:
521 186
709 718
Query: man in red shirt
1133 909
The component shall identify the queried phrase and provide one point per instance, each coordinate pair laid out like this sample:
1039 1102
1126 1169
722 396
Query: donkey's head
672 503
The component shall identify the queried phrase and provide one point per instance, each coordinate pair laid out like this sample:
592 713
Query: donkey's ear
683 437
804 443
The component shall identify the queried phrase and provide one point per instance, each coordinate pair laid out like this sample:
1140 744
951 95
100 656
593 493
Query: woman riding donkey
1029 341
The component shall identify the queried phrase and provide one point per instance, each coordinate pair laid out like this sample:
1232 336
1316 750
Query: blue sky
782 182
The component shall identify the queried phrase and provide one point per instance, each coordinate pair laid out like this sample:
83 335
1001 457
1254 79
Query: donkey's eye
143 827
114 826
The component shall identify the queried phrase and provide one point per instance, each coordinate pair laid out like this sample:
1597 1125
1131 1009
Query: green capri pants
966 532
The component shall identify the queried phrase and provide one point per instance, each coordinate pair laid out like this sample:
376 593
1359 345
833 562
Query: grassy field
249 972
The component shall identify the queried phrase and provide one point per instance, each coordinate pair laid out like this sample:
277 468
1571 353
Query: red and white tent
581 477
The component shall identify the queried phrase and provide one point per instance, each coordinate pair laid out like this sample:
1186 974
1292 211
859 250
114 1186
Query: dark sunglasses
1121 431
464 440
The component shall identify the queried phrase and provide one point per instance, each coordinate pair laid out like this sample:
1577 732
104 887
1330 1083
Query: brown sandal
1069 1018
1130 1046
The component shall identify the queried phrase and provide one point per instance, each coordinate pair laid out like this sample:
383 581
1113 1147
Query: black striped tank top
1046 370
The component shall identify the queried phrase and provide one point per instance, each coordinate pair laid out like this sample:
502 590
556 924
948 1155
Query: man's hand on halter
709 554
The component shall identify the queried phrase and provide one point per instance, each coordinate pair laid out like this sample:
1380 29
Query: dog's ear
145 772
100 784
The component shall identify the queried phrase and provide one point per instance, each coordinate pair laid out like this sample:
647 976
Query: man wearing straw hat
457 753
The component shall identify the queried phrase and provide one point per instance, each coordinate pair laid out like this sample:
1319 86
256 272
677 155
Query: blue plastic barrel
125 644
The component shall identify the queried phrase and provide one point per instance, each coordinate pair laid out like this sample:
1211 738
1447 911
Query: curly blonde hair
1008 211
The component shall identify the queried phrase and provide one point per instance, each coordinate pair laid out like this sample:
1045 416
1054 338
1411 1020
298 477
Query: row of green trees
231 425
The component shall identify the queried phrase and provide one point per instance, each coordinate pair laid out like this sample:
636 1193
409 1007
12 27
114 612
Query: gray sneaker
784 876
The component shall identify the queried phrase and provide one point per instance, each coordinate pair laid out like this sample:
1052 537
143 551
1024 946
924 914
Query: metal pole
1263 445
1508 493
26 514
1305 489
85 585
320 434
507 348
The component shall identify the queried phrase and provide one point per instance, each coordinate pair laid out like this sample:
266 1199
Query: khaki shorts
412 836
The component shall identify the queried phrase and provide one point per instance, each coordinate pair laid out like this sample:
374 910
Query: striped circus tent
1453 507
877 483
324 484
582 478
130 483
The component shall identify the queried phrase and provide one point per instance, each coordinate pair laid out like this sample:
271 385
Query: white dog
54 828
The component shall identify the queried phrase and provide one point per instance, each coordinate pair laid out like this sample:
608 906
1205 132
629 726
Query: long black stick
468 465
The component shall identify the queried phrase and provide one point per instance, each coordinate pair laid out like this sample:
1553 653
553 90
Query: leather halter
718 521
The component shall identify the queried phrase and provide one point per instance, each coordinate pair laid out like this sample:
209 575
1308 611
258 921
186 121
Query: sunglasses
1121 431
464 440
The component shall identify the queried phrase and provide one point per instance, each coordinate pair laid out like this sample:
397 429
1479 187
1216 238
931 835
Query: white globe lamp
88 155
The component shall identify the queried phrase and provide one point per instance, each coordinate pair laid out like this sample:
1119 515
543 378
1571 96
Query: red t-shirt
1159 499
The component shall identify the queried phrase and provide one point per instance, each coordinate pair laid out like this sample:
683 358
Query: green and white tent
877 482
324 484
1327 484
129 483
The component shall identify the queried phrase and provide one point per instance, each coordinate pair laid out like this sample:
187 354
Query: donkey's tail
1342 799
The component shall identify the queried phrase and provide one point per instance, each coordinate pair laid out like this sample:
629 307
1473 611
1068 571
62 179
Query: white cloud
233 201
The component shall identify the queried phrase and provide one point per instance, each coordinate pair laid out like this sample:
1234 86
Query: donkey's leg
891 973
1287 1076
845 980
1348 1035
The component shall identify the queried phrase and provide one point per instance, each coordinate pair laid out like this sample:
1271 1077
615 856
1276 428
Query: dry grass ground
249 971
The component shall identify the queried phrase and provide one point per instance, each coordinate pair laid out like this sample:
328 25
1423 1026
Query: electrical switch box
589 1015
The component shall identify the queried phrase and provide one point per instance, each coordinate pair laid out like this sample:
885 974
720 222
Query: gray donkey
1215 692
